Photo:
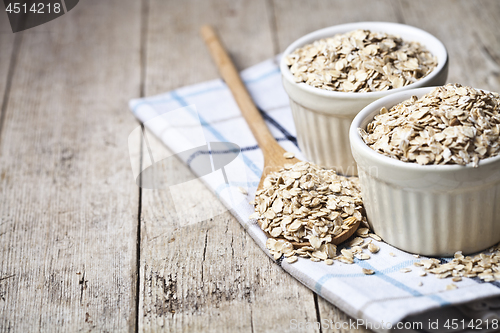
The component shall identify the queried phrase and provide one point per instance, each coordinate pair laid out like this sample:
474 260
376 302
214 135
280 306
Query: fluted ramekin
322 118
426 209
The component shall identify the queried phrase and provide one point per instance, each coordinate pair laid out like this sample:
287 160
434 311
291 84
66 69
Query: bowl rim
388 101
333 30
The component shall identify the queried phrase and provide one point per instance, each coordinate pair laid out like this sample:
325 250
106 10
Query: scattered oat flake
254 215
346 260
242 190
405 270
373 248
392 254
485 265
451 286
291 259
329 261
362 256
420 284
356 241
288 155
270 243
362 231
347 253
368 271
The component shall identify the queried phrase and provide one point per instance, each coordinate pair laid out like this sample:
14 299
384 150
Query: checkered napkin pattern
388 296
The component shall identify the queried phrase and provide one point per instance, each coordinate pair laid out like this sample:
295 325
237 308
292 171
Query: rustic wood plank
207 276
293 19
173 39
68 202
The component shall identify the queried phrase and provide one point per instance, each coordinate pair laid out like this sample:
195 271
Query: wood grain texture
294 19
208 276
173 39
68 202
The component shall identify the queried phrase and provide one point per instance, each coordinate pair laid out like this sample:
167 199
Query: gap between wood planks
143 63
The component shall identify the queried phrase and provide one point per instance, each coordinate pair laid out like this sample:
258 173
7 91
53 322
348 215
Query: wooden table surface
82 247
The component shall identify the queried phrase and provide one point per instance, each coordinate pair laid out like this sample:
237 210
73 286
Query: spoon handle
232 78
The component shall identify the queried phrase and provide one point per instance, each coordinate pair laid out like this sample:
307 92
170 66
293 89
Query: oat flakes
361 61
305 203
485 265
452 124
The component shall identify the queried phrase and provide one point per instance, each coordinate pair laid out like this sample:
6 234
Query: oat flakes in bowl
452 124
323 116
361 61
431 209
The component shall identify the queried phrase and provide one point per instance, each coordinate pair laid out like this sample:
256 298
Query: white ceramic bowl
426 209
323 117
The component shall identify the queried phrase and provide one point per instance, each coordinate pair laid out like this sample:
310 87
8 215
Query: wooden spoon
273 152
